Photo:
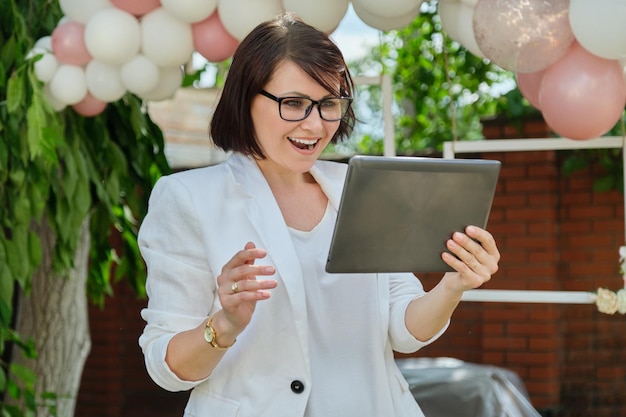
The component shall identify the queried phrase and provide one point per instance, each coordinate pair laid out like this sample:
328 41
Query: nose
314 116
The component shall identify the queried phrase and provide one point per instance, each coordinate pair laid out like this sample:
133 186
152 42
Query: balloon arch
567 55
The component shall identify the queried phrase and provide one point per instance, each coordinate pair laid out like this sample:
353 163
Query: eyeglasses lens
298 108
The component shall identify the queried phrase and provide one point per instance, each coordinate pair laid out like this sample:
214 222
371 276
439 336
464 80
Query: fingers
475 253
486 240
239 276
248 255
238 288
244 280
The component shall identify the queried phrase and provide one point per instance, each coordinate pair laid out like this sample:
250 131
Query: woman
240 307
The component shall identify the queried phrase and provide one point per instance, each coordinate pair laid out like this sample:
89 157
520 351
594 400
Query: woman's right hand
239 290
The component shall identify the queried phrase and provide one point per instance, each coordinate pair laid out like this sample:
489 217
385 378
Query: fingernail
269 269
471 229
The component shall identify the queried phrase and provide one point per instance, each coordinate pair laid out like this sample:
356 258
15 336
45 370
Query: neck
283 179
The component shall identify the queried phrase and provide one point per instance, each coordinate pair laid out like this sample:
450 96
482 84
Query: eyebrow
298 94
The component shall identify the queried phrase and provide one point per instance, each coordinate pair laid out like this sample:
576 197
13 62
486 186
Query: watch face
209 334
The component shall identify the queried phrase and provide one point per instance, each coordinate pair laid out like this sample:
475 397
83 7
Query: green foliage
441 89
610 161
61 168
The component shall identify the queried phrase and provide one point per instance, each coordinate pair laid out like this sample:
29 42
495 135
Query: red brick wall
115 382
554 233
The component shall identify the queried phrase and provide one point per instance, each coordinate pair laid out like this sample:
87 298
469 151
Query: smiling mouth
307 144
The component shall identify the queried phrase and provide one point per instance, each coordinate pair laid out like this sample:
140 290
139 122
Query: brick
543 344
593 212
573 199
612 372
549 257
532 358
507 312
535 328
505 343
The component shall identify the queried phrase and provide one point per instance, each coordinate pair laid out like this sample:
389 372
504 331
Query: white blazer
197 220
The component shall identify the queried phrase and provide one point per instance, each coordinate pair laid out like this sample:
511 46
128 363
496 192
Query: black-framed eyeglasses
294 109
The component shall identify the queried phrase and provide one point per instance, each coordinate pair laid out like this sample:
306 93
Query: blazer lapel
265 215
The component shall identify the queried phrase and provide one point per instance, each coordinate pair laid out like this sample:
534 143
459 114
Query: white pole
523 296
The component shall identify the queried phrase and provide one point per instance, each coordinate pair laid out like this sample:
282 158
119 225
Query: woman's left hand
474 255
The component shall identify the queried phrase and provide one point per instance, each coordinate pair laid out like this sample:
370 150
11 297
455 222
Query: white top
330 298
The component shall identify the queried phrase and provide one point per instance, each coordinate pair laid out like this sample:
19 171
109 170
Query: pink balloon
582 96
522 36
528 84
212 40
137 7
68 44
89 106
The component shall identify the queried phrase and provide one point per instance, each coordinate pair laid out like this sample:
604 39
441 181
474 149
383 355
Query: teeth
308 142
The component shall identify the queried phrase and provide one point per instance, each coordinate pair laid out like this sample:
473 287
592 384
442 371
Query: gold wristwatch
211 337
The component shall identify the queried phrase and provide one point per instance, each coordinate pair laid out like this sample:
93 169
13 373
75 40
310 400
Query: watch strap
210 335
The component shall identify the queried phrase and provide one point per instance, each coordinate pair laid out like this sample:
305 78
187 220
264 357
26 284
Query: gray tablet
396 213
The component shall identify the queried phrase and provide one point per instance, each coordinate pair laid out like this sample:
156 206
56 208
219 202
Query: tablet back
396 213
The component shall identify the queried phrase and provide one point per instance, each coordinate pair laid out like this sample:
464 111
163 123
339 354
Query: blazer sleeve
403 288
180 284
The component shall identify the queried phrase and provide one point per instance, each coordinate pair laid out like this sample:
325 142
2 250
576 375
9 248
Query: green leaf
605 183
34 250
4 154
35 120
6 294
13 389
51 138
29 399
22 210
17 175
8 51
25 374
3 379
15 93
17 260
69 179
37 197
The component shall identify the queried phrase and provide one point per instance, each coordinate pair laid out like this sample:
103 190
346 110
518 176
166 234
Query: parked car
447 387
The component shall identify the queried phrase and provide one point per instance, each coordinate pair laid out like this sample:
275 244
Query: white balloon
104 81
63 20
113 36
81 10
54 102
45 43
166 41
139 75
599 26
170 80
190 11
69 85
239 17
46 67
457 22
323 14
387 8
385 23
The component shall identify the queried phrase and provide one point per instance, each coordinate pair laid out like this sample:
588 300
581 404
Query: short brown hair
286 38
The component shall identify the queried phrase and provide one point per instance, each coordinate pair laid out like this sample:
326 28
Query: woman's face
291 146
